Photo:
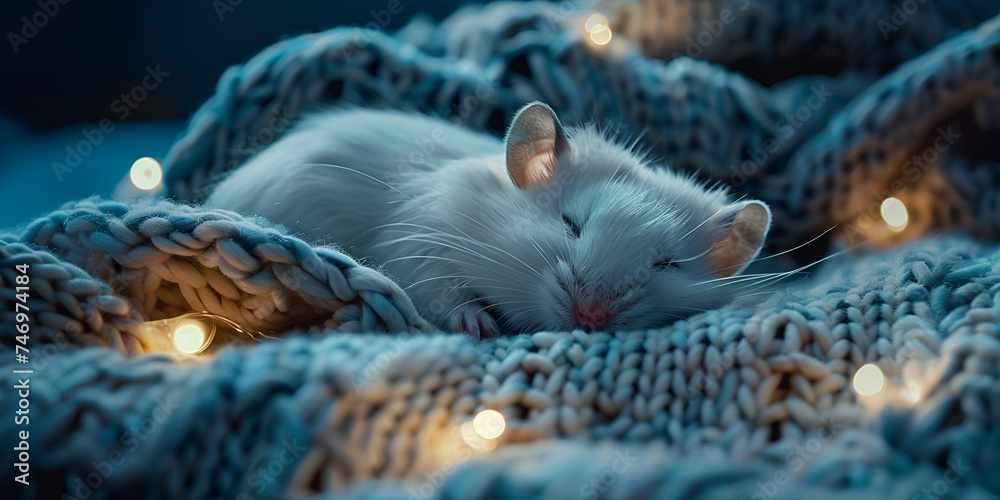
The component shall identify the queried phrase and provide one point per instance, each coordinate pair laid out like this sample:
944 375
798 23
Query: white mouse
551 229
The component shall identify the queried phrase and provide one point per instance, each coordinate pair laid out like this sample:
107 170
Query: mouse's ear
534 141
743 227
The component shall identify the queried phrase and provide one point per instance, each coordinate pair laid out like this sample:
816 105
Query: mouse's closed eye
666 263
573 227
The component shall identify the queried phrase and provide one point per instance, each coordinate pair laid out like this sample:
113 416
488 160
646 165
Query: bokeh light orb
869 381
189 338
894 214
489 424
146 174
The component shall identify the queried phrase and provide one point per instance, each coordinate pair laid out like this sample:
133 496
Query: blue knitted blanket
361 398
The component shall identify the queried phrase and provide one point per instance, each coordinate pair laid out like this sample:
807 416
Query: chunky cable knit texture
749 389
741 401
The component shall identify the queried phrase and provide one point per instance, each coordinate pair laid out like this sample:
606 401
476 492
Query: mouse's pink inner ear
744 227
535 141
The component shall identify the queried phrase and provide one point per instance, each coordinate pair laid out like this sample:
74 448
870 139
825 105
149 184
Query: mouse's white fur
436 206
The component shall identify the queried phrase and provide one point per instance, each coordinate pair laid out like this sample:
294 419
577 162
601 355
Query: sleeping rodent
550 229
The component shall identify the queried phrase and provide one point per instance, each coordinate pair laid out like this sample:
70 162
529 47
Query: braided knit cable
100 268
745 388
691 114
767 36
885 143
539 60
714 404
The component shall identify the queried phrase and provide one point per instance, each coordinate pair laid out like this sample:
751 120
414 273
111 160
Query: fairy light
911 393
146 174
595 22
190 333
473 439
599 29
868 380
894 214
482 431
190 338
489 424
878 389
601 37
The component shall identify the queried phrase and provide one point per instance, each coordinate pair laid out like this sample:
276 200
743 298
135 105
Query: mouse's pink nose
592 316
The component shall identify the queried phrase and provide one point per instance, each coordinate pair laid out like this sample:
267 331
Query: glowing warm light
189 333
601 37
894 213
489 424
600 31
189 338
596 22
911 392
868 380
473 439
146 173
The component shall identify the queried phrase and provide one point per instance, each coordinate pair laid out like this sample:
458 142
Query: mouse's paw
473 319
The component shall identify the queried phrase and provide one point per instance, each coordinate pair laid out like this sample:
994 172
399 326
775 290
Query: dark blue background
66 78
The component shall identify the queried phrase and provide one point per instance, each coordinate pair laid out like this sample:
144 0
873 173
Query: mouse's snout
592 315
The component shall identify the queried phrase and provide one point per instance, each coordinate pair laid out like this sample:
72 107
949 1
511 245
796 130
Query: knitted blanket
360 398
734 401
